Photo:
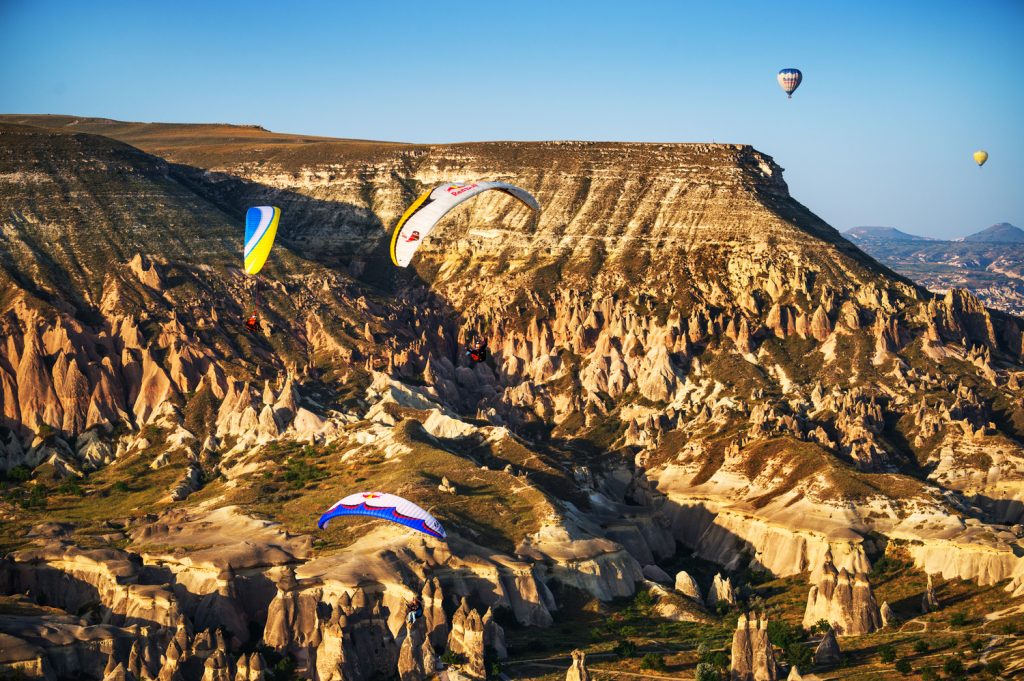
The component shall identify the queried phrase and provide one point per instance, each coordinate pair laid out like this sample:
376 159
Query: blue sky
896 95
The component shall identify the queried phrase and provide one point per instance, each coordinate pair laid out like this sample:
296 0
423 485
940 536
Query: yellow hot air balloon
980 157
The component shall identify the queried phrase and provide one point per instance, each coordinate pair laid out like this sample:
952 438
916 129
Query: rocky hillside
686 362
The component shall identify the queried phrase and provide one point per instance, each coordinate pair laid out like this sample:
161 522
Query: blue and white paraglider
789 80
386 506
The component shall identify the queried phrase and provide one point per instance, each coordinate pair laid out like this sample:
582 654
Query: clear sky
896 95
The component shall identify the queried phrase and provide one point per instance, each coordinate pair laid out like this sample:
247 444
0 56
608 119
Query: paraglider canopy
260 230
426 211
789 80
980 156
386 506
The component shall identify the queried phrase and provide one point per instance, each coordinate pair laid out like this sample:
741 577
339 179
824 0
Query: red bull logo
415 236
456 190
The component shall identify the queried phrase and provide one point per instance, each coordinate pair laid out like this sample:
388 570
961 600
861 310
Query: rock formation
721 591
827 653
889 618
687 585
929 601
753 658
844 601
578 671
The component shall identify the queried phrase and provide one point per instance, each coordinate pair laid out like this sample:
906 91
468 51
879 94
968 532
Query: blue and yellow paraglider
260 231
789 80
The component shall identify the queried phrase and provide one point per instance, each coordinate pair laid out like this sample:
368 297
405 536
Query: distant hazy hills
989 263
1002 233
888 233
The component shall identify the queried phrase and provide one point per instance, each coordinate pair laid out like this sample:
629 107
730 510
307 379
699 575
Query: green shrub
783 635
995 668
822 626
953 666
929 674
70 486
653 661
707 672
643 599
19 474
903 666
958 619
921 647
121 486
625 648
36 498
799 655
450 658
887 654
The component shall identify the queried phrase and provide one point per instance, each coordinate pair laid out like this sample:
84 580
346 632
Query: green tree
707 672
887 654
995 667
958 619
953 666
903 666
921 647
653 661
625 648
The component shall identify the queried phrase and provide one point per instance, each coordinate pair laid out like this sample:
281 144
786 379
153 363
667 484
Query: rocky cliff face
682 353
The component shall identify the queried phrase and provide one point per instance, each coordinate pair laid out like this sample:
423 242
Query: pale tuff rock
434 618
494 636
752 656
336 655
656 574
446 486
845 601
467 639
827 653
578 671
929 601
794 675
292 616
416 658
70 578
251 668
217 667
889 618
721 591
189 483
687 585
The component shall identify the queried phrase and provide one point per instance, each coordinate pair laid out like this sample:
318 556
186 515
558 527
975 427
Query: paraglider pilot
415 610
253 323
477 350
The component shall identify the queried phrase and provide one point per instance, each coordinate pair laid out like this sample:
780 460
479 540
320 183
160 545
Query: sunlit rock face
680 353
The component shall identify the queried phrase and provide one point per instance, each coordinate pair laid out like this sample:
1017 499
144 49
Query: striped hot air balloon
789 80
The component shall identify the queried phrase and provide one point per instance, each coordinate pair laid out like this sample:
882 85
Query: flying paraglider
260 231
426 211
789 80
980 156
386 506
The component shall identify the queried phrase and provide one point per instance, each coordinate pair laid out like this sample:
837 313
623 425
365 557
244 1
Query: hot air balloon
789 80
980 156
386 506
424 214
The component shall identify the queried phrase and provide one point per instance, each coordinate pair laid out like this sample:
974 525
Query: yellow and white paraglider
426 211
260 231
980 156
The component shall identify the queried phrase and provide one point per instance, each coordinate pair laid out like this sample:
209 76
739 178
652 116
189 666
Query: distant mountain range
888 233
1002 232
989 263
